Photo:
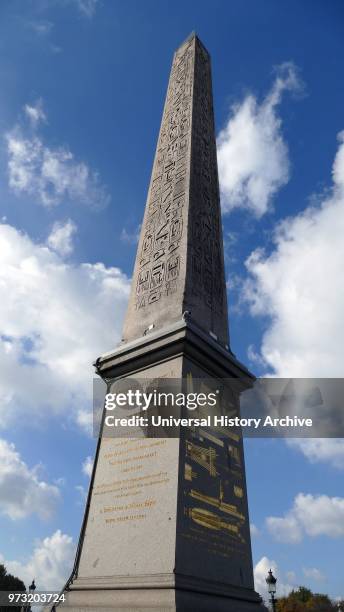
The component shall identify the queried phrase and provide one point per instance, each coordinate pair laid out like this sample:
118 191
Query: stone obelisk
166 523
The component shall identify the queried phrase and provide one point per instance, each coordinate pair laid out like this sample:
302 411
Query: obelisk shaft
179 265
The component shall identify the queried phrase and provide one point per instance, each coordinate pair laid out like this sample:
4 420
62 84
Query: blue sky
82 89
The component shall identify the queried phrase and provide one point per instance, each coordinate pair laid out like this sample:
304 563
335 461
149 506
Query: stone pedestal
156 600
164 530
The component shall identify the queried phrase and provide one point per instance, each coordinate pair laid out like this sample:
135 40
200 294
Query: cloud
130 237
61 237
254 531
86 7
252 155
42 28
321 450
285 529
260 573
254 357
84 419
311 515
55 319
298 287
83 494
291 576
60 482
50 563
35 113
314 574
286 582
21 491
49 174
55 49
87 466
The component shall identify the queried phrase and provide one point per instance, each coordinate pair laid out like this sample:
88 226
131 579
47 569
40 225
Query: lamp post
271 582
32 589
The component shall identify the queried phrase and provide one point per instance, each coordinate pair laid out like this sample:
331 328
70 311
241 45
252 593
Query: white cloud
254 531
298 286
42 28
291 576
50 563
87 466
253 157
321 450
82 492
130 237
55 49
49 174
60 482
84 419
285 529
21 491
61 237
55 319
86 7
35 113
311 515
338 165
314 573
260 573
254 357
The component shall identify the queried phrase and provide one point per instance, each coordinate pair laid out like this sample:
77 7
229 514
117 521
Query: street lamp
271 582
32 588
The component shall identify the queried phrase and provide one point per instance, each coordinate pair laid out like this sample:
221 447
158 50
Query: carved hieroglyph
179 264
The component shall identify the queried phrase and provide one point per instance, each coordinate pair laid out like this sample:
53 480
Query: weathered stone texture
179 265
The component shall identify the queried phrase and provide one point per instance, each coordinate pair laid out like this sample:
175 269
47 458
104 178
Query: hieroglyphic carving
179 265
159 259
207 259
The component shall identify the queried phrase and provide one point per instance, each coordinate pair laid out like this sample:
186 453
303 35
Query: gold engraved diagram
218 502
210 520
205 457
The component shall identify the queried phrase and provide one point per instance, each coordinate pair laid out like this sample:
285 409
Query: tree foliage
10 583
303 600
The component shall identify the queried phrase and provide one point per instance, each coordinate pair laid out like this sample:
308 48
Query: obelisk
166 524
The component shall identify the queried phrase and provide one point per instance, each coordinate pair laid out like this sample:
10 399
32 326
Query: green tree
295 602
320 603
302 600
